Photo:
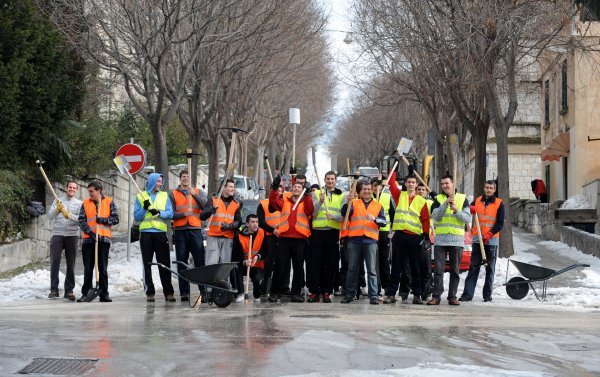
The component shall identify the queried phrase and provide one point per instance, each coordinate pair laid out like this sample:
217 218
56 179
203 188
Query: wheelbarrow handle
181 263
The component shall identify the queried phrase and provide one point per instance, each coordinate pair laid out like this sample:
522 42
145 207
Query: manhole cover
59 366
313 316
579 347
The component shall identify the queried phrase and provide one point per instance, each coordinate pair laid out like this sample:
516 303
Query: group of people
320 237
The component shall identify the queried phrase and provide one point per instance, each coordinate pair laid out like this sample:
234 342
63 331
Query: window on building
564 105
590 11
547 103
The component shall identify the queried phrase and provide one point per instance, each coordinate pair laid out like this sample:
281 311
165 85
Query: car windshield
239 182
369 172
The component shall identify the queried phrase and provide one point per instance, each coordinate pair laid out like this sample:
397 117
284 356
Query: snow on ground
432 369
125 279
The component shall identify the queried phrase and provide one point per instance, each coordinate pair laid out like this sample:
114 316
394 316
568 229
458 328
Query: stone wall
583 241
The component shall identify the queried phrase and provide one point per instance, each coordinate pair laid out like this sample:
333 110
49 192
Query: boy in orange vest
241 252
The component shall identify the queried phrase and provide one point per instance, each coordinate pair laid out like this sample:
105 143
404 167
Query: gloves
293 171
146 204
228 226
411 169
308 191
487 237
59 206
154 212
102 220
92 236
473 210
276 182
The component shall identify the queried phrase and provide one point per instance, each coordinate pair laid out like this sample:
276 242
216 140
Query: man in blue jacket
153 209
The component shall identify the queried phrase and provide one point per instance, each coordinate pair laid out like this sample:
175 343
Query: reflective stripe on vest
160 203
487 216
224 215
334 205
450 224
359 225
256 245
408 217
384 200
302 225
271 218
91 213
182 205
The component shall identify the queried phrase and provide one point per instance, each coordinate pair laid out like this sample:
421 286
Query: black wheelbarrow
213 276
518 287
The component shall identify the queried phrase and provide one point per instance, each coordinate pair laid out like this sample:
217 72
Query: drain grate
579 346
59 366
313 316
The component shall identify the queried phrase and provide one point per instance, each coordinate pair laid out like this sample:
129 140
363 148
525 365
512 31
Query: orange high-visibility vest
302 225
90 213
224 215
359 225
487 215
257 241
271 218
182 205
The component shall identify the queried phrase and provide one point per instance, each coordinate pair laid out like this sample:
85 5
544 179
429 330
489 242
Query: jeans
57 245
356 253
439 254
188 242
473 275
342 276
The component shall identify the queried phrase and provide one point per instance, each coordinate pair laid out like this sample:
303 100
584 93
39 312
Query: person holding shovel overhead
450 211
97 215
65 236
153 209
490 211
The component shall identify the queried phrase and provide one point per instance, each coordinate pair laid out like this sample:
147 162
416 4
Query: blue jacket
138 210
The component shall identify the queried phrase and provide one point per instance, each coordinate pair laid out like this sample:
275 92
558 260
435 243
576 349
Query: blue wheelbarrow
213 276
518 287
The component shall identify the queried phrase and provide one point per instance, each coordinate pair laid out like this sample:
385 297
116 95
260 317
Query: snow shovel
95 292
247 283
484 260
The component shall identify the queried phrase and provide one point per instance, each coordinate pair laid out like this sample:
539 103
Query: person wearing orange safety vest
268 220
365 218
226 213
95 223
187 229
294 230
255 257
490 211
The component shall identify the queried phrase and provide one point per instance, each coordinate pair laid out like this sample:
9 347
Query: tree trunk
506 236
159 138
195 145
212 152
480 143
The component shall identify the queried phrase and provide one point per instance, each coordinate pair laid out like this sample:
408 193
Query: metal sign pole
129 215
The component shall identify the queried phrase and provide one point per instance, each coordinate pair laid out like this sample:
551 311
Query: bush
14 193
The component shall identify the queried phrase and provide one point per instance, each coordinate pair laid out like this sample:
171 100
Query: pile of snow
576 202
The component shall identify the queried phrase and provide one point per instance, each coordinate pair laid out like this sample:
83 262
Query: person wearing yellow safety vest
365 218
426 276
450 211
323 264
152 210
410 226
269 220
383 244
490 212
187 229
92 217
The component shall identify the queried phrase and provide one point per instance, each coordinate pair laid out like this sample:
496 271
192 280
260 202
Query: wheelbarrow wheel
516 288
220 297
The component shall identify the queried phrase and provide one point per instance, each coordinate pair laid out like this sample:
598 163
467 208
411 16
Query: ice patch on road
431 369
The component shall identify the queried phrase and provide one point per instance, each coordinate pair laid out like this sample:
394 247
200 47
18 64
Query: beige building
570 122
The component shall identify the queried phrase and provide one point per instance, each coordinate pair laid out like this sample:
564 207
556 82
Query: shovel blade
92 294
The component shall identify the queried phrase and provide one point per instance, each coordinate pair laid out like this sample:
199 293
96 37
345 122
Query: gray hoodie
62 226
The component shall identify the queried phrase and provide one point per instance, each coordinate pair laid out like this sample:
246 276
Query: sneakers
347 300
105 298
297 298
433 301
70 296
389 299
313 297
326 298
53 294
464 299
170 298
239 299
417 300
185 298
339 292
273 297
150 298
453 302
373 301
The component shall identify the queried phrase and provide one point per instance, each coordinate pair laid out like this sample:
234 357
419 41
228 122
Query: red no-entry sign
135 155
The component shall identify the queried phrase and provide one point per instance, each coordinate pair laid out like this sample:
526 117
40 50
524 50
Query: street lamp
348 39
294 118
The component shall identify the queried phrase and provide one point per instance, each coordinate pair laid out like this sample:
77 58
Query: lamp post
294 118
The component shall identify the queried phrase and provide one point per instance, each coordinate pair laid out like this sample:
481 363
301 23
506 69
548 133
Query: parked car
368 171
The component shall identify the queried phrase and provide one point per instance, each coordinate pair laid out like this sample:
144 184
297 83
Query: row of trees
461 64
210 65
